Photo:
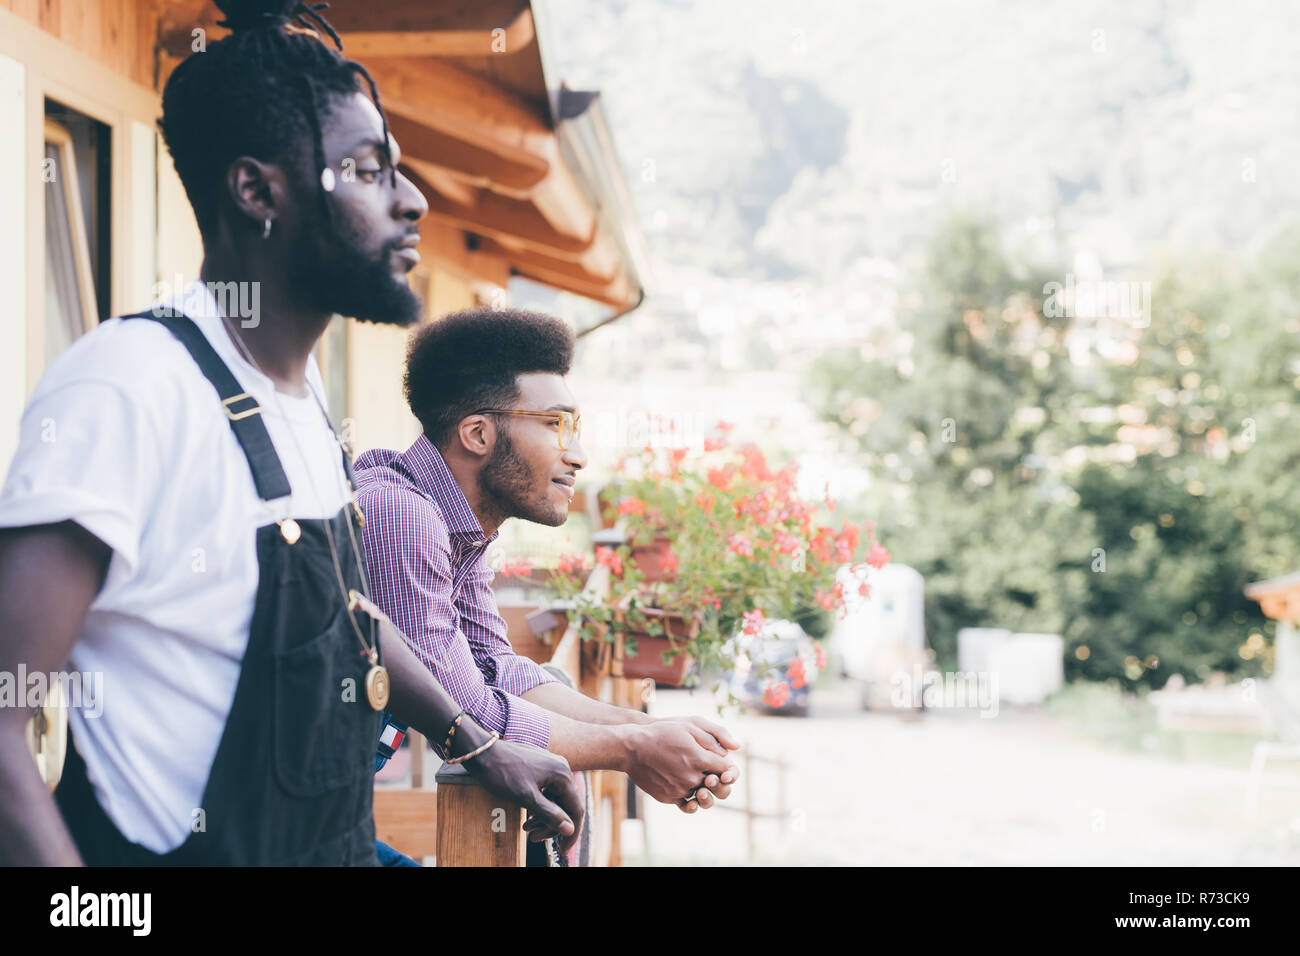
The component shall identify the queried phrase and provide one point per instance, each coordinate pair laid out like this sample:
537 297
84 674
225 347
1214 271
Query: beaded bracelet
474 753
451 732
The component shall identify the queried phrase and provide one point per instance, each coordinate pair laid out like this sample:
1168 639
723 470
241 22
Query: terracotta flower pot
652 559
648 661
607 506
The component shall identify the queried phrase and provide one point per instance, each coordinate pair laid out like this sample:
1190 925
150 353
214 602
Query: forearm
32 832
49 575
589 746
561 699
416 697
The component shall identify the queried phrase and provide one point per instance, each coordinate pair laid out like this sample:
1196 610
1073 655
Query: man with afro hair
501 439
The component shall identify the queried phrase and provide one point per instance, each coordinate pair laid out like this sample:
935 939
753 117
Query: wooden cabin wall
120 34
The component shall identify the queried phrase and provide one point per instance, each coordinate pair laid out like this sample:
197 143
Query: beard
510 482
338 278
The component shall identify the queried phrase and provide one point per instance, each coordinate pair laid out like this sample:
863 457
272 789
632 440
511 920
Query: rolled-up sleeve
408 555
504 670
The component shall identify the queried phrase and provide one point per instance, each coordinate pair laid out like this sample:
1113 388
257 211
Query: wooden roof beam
598 262
405 16
498 217
511 169
389 28
455 100
499 40
616 292
531 258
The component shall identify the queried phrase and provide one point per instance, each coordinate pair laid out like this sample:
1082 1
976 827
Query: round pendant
377 687
290 531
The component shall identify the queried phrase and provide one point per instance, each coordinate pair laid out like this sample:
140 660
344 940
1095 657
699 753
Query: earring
266 228
327 179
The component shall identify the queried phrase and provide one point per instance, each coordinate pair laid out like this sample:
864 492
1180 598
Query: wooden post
1286 660
749 806
415 741
474 827
780 765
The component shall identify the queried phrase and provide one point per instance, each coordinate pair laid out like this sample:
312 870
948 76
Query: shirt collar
427 469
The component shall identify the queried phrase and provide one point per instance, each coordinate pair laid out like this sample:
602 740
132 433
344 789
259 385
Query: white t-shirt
125 436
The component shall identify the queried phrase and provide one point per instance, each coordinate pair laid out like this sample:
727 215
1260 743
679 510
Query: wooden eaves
525 174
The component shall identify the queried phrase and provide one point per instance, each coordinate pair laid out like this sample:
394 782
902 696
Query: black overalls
293 777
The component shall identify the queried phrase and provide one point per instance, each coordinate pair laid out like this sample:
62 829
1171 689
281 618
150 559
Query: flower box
647 660
655 560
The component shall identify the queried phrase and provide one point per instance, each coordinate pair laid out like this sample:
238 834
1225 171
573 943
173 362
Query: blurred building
520 174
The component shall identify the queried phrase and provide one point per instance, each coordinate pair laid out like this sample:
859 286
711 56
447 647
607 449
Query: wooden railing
476 829
458 821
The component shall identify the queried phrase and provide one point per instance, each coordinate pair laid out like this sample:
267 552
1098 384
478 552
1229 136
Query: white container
977 647
885 631
1027 667
1030 668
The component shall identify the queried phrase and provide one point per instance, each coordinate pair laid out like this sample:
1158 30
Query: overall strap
242 410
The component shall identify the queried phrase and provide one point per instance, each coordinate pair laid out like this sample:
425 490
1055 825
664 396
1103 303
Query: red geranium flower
776 694
631 506
877 556
721 478
521 568
610 558
740 544
798 677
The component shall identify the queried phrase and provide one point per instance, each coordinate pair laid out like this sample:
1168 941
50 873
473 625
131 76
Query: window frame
50 68
66 179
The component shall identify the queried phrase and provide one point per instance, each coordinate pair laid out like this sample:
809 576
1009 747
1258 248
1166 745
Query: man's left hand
711 736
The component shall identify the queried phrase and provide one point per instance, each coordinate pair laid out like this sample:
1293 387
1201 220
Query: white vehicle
767 658
882 634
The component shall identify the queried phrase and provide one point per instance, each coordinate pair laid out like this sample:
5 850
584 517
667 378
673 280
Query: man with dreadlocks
179 515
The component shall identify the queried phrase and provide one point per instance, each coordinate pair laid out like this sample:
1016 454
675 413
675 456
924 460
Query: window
77 222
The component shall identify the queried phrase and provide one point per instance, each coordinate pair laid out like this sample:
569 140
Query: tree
960 417
1123 498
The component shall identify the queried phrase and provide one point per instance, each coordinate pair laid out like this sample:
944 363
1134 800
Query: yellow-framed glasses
570 425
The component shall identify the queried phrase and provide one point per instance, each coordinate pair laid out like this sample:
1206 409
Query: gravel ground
950 787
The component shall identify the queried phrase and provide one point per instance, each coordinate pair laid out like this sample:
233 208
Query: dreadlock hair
256 93
469 360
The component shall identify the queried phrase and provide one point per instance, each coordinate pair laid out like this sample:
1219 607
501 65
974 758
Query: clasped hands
684 760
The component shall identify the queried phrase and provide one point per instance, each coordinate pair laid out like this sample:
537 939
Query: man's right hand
670 759
537 780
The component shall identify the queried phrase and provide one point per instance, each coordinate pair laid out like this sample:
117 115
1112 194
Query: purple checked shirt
424 554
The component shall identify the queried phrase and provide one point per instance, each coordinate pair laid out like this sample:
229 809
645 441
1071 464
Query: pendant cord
371 649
